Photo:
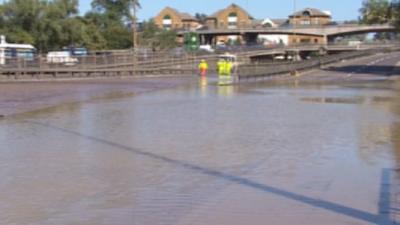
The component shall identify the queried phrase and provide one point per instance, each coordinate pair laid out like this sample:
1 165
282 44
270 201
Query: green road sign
192 41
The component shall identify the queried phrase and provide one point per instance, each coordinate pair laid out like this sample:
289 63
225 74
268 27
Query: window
268 24
167 22
232 14
212 23
232 20
307 13
186 26
305 41
305 22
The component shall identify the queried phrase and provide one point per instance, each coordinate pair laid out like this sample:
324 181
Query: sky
259 9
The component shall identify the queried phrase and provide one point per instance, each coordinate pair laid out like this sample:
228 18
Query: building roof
271 22
182 15
312 11
279 22
215 15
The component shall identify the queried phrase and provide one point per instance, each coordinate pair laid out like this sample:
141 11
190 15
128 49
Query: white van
61 57
10 51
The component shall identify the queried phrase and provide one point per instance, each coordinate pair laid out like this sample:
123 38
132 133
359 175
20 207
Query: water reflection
225 80
226 90
203 85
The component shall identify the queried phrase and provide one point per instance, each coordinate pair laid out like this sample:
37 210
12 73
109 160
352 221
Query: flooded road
202 154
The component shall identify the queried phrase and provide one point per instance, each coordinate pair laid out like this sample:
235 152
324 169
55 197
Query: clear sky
259 9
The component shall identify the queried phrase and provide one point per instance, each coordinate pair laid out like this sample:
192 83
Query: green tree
201 17
54 24
396 12
376 12
115 9
147 37
166 39
153 37
49 25
112 18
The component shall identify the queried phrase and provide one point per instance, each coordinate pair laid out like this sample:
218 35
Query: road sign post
191 42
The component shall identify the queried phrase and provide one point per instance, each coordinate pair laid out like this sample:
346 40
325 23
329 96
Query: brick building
232 17
171 19
308 17
235 17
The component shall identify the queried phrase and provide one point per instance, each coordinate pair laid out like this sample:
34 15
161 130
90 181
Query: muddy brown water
251 154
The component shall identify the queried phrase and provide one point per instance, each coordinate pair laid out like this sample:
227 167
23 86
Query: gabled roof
182 15
279 22
312 12
215 15
272 22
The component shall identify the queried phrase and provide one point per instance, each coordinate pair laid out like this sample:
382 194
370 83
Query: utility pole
294 5
134 34
295 53
294 22
294 72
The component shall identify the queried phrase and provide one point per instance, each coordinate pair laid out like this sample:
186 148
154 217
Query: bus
11 51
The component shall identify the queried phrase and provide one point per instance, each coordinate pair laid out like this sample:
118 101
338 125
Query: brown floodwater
204 154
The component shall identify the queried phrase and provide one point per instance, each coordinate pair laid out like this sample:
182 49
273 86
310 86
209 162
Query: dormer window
307 13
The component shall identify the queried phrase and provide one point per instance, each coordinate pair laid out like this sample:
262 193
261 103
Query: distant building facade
309 17
272 39
235 17
171 19
232 17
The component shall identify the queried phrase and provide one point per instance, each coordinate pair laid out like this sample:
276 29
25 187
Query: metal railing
158 63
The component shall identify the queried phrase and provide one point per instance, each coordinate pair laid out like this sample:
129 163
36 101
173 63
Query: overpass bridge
323 49
327 32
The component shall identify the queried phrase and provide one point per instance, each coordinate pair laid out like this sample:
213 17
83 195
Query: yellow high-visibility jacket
203 66
221 67
228 68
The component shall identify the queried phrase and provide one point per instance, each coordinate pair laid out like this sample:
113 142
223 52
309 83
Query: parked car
206 48
61 57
